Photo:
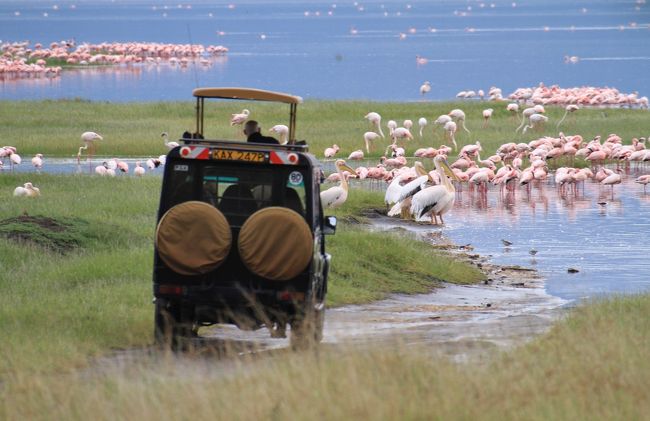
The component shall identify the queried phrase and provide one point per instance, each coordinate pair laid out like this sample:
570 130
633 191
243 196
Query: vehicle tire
307 330
170 330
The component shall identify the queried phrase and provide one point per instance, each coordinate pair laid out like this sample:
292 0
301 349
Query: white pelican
282 131
337 195
406 192
435 200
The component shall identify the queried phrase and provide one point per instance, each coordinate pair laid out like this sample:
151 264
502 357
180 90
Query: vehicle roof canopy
246 94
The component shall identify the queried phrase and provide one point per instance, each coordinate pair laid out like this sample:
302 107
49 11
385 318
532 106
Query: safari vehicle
240 236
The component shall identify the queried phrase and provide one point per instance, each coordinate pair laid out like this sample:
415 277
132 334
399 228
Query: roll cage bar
248 94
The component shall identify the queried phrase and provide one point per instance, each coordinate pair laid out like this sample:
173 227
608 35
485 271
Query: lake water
603 237
309 49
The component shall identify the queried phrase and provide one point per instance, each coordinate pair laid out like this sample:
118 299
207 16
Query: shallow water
299 47
603 237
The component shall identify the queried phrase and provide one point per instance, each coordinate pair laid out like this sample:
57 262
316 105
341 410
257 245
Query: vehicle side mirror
329 226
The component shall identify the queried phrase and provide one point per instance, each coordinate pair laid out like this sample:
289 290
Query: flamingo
425 88
356 155
401 133
27 190
89 139
513 107
450 129
369 137
571 108
138 170
526 113
14 159
458 115
422 122
487 114
238 119
644 179
611 179
337 195
536 121
375 119
101 169
435 200
330 152
282 131
37 161
392 125
170 145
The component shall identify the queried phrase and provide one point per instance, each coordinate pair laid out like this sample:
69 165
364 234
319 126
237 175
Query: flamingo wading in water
89 139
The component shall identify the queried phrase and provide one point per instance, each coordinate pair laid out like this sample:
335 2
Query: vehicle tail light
170 289
291 296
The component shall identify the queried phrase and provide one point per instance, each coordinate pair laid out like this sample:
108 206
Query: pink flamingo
330 152
644 179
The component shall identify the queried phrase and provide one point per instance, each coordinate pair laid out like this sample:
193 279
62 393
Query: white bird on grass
368 137
337 195
571 108
375 119
239 118
458 115
28 190
170 145
422 122
435 200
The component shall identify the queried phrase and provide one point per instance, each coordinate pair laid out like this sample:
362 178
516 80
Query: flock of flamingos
414 193
19 60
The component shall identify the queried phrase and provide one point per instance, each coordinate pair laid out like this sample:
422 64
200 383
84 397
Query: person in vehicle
253 130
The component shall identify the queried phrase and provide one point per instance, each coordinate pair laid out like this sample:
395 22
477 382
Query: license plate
235 155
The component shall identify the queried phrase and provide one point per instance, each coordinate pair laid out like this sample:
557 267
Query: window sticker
295 178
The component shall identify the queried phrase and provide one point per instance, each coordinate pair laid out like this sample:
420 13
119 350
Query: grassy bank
82 285
593 365
133 129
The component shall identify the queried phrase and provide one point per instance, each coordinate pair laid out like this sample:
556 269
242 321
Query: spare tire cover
193 238
276 243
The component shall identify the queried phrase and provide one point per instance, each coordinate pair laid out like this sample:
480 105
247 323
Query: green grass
592 365
85 289
133 129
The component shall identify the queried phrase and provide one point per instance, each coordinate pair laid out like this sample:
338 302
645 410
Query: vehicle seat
237 203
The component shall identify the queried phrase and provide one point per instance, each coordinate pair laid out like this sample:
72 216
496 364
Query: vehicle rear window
238 190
